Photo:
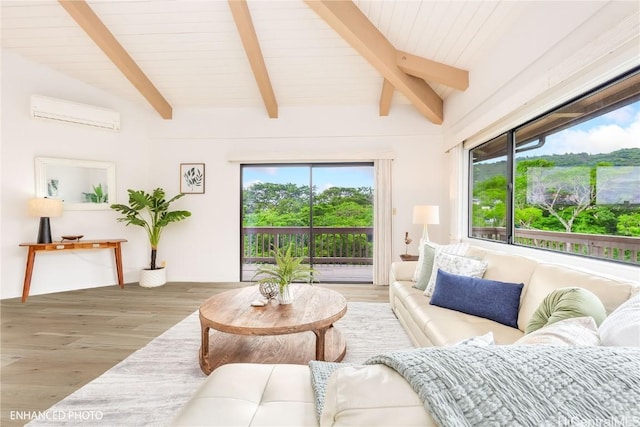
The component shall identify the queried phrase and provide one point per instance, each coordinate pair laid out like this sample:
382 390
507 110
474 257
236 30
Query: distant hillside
624 157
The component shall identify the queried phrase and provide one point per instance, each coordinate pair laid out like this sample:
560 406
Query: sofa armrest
402 271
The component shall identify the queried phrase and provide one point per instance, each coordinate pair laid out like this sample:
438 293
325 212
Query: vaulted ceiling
265 53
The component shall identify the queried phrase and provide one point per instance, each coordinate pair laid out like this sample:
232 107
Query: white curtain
382 222
457 192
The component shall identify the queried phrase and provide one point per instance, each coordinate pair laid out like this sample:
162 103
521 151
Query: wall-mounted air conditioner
43 107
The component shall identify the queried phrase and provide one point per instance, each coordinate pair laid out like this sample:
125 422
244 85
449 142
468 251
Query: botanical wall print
192 178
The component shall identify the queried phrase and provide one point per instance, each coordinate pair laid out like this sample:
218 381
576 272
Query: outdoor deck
329 273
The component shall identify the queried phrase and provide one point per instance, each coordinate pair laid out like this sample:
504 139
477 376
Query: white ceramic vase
285 296
153 278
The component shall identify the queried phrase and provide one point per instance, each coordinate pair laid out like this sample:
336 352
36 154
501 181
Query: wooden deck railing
354 245
618 248
331 245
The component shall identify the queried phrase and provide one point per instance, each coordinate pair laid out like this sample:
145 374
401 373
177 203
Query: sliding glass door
324 211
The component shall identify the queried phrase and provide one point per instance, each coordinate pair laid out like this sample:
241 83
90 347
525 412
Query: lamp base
425 235
44 230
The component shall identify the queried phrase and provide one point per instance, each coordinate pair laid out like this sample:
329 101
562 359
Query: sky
609 132
323 176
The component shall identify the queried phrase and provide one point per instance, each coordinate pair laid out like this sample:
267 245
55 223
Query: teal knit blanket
520 385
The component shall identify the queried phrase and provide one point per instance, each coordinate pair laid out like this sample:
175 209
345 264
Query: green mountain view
580 193
287 205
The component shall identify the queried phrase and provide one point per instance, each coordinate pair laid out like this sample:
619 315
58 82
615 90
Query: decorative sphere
269 290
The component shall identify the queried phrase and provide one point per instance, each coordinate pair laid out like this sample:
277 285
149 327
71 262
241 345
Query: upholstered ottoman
248 394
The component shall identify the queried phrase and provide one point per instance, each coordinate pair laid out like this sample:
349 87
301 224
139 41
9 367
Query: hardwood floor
54 344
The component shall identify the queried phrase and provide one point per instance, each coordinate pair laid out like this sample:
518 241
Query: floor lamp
44 208
425 215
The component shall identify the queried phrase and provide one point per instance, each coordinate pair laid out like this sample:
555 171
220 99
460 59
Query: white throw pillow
622 326
454 264
454 248
480 340
581 331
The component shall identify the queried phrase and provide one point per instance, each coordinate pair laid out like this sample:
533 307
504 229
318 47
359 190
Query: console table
72 245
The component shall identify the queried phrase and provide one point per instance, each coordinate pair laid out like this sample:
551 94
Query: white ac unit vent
43 107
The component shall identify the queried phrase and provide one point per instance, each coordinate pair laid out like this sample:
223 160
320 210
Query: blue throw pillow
498 301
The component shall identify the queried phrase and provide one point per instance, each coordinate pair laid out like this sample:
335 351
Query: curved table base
298 348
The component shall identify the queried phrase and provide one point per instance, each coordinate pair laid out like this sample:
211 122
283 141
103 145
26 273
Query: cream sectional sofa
266 394
429 325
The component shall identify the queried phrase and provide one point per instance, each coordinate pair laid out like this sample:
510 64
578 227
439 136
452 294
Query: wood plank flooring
54 344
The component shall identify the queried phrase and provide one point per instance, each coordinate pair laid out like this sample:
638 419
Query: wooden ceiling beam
432 71
242 17
385 97
348 21
82 13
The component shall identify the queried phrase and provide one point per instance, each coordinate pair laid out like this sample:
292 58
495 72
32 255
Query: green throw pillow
565 303
428 257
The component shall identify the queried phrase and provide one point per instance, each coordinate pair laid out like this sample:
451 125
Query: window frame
511 151
311 201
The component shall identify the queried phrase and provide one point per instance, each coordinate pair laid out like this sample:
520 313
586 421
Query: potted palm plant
286 270
151 212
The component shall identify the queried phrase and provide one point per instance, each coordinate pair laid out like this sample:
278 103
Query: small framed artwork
192 178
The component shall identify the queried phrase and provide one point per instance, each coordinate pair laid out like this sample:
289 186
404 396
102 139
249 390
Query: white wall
147 153
299 134
23 139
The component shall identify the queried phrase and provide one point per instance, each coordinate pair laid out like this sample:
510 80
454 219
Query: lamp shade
44 208
429 214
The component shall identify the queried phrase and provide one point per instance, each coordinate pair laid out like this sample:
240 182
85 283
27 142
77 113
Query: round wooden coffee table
273 333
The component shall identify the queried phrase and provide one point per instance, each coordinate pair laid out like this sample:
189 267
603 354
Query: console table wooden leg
31 256
118 252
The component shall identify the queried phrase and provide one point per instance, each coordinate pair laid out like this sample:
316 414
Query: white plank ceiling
192 52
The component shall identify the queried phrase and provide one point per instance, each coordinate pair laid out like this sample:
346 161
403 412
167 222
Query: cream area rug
150 386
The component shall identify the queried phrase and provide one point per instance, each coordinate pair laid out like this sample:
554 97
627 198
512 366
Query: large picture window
568 181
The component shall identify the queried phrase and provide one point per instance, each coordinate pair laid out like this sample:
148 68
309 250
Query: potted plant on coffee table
151 212
286 270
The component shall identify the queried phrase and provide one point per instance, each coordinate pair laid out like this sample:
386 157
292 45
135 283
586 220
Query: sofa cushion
455 264
373 395
448 327
622 327
548 277
489 299
572 331
503 266
402 271
430 325
565 303
251 394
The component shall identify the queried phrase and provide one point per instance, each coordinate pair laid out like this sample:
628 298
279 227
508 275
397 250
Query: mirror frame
41 179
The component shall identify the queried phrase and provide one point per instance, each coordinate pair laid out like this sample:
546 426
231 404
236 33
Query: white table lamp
425 215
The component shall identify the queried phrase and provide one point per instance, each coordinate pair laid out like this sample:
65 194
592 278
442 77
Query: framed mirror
80 184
